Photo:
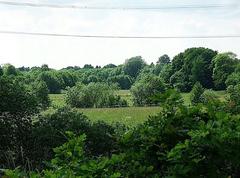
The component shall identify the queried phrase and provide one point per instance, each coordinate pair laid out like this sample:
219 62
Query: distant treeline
212 69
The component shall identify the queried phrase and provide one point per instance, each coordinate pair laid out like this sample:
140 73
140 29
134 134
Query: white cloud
61 52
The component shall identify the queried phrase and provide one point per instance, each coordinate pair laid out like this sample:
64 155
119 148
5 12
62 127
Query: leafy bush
146 88
233 79
224 65
196 94
15 98
15 131
40 90
49 132
93 95
234 98
18 104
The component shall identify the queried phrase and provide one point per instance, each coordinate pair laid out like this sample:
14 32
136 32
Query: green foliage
40 90
124 81
181 141
224 64
234 98
177 80
166 73
133 66
15 98
53 81
211 99
18 104
164 59
233 79
145 88
196 94
69 79
110 66
15 131
93 95
49 132
1 71
9 69
194 65
88 66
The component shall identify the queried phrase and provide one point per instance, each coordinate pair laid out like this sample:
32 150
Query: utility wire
29 4
119 37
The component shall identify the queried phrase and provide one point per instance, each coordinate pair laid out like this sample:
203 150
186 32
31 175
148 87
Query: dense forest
201 139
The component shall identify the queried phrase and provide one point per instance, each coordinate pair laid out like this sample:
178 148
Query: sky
60 52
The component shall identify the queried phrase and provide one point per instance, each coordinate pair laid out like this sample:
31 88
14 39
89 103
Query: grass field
129 115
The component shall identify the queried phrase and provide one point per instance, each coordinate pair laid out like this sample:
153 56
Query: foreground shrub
18 104
49 132
180 141
15 131
15 98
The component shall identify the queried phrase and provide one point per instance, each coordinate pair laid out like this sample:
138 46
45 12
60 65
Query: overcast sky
59 52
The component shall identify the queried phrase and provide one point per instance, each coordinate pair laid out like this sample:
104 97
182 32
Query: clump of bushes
144 90
49 132
96 95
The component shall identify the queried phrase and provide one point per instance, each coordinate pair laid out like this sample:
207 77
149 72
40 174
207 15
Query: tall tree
195 66
133 66
224 64
164 59
9 70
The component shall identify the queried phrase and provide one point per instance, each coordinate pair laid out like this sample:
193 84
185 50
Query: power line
119 37
29 4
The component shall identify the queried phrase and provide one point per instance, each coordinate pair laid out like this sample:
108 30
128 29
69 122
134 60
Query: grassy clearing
130 116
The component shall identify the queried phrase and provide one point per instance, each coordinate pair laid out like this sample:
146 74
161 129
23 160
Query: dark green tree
166 73
40 90
15 98
45 67
53 81
88 66
9 69
133 66
224 64
124 81
164 59
110 66
195 65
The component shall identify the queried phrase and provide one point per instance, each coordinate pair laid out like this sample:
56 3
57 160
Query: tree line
211 69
